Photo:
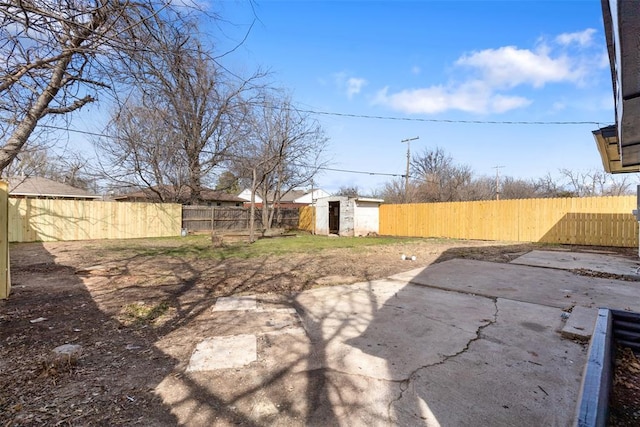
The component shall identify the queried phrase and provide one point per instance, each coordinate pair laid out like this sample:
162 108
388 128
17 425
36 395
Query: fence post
5 278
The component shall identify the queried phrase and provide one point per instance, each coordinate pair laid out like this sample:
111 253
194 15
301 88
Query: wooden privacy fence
33 220
600 221
5 279
209 218
307 218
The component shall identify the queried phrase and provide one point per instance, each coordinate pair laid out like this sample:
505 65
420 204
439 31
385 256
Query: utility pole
497 168
406 177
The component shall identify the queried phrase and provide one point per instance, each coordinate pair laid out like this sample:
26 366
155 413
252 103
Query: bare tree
41 161
482 188
284 151
550 186
393 191
188 114
142 151
620 187
57 56
594 183
517 188
437 177
349 191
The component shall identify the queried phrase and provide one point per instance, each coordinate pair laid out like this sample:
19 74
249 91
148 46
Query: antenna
406 177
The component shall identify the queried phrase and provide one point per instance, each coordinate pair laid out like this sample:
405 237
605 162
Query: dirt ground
118 303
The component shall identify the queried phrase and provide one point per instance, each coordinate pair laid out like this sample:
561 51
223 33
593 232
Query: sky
427 67
532 61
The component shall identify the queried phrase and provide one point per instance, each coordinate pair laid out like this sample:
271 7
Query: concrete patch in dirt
336 279
223 353
235 303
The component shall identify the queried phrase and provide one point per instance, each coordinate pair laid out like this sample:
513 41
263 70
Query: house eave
622 26
608 146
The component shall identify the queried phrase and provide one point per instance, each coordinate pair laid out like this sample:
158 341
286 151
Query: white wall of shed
366 218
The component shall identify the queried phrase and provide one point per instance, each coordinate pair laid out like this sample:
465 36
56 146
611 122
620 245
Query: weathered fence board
599 221
209 218
33 220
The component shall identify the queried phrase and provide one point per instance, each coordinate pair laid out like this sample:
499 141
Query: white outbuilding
347 216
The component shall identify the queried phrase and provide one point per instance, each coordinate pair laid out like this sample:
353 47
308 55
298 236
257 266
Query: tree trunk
252 209
265 205
22 132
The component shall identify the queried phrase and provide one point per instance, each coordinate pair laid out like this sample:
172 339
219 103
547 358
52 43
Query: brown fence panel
209 218
287 218
197 218
601 221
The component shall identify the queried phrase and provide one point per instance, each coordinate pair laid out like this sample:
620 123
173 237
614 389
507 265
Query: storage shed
347 216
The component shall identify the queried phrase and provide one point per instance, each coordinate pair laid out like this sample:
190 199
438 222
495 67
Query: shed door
334 217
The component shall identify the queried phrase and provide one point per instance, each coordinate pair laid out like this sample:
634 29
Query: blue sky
446 60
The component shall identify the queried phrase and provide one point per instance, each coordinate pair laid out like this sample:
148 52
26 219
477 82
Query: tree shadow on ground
140 318
113 379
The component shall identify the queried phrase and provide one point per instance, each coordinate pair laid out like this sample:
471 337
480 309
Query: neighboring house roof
183 194
293 196
34 186
245 195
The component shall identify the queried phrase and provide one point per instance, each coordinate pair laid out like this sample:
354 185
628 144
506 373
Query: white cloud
509 66
487 79
354 86
472 97
581 38
350 85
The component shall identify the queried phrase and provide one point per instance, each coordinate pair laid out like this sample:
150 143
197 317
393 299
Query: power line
84 132
473 122
372 117
362 172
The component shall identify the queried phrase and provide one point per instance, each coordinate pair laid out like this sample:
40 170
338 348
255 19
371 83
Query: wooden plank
5 277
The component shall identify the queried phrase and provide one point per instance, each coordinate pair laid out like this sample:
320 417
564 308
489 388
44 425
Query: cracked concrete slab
235 303
611 264
223 353
386 330
555 288
580 323
518 372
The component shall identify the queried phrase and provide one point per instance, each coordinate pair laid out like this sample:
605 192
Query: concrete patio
461 342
